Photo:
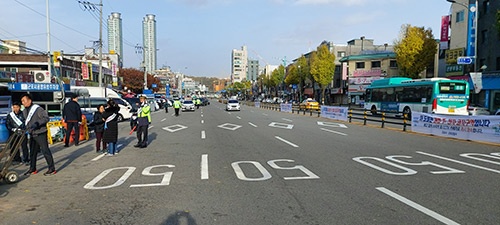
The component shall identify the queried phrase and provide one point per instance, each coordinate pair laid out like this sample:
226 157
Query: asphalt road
259 166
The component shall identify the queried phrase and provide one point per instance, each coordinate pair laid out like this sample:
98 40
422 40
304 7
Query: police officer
143 121
72 115
36 124
198 103
15 123
177 106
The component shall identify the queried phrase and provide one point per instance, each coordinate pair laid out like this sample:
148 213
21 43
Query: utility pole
47 17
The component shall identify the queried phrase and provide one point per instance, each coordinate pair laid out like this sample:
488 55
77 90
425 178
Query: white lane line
238 117
283 140
149 128
201 115
417 206
203 134
98 157
251 124
335 132
204 167
288 120
163 119
460 162
202 121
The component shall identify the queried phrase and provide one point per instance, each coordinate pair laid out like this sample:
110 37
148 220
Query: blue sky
196 36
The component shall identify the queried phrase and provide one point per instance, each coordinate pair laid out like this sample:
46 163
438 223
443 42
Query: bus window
368 94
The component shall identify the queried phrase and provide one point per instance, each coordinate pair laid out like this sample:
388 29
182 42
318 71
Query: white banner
334 112
477 81
475 128
286 107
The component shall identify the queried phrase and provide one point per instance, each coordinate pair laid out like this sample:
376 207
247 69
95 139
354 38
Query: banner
474 128
334 112
445 24
85 71
477 81
286 107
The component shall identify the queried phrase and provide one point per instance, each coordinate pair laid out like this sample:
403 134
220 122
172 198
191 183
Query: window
341 54
498 63
360 65
11 69
375 64
484 36
393 64
486 7
460 16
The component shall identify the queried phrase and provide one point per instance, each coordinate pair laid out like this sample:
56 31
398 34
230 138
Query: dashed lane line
251 124
288 142
335 132
203 134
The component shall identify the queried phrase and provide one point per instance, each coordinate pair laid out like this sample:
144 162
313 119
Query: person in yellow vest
177 106
198 103
143 121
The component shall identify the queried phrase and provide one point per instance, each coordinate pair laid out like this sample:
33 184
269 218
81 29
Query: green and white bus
400 95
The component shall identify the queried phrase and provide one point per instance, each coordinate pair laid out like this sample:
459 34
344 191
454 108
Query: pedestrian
36 124
198 103
166 104
72 115
177 106
110 118
143 121
15 123
99 129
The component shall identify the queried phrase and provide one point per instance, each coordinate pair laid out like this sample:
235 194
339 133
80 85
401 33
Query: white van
98 92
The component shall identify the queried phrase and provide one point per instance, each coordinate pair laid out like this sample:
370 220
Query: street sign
154 85
464 60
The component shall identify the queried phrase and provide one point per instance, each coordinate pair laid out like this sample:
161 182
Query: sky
196 37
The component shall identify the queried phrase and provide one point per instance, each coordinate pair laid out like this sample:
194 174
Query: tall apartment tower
115 35
149 42
239 61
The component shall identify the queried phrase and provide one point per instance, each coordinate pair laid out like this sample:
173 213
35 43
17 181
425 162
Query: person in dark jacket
99 128
110 135
72 115
15 123
36 124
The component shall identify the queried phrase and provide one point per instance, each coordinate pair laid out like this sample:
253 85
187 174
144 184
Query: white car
477 110
188 105
232 105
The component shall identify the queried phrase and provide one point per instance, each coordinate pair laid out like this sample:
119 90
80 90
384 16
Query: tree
292 75
323 68
303 70
133 79
277 77
414 50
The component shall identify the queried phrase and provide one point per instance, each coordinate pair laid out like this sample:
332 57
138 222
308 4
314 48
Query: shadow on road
178 217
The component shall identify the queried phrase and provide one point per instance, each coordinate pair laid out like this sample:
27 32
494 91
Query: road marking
229 126
202 121
251 110
238 117
283 140
251 124
174 128
281 125
163 119
265 114
287 120
335 132
98 157
204 167
201 115
417 206
119 146
329 124
203 134
460 162
150 127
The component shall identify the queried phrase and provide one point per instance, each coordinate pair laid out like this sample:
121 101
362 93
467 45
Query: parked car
233 105
476 110
188 105
204 101
309 104
125 107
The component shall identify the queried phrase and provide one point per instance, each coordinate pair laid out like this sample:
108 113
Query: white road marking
417 206
201 115
459 162
238 117
174 128
204 167
119 146
287 120
98 157
202 121
265 114
251 124
149 128
203 134
163 119
229 126
283 140
335 132
281 125
329 124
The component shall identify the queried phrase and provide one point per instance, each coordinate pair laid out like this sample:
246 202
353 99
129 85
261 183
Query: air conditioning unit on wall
41 76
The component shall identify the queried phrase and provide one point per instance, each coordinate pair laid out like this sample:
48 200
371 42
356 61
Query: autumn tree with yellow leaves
415 50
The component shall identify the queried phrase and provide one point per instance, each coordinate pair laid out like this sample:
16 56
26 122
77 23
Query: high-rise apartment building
239 61
115 36
253 70
149 42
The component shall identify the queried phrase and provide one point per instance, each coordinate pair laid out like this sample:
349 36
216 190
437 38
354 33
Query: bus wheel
407 112
373 110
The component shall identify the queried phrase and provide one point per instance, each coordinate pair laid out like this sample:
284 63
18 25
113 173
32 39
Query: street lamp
476 16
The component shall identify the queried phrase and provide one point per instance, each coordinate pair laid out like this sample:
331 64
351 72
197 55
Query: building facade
149 42
115 35
253 70
239 63
12 47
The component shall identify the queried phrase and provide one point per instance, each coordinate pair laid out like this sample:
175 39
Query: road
260 166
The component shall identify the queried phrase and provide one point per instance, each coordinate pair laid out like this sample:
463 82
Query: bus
401 95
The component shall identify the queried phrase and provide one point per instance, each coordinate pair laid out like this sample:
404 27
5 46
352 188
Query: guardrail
383 119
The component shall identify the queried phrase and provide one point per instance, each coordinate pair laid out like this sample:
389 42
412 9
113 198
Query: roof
364 57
